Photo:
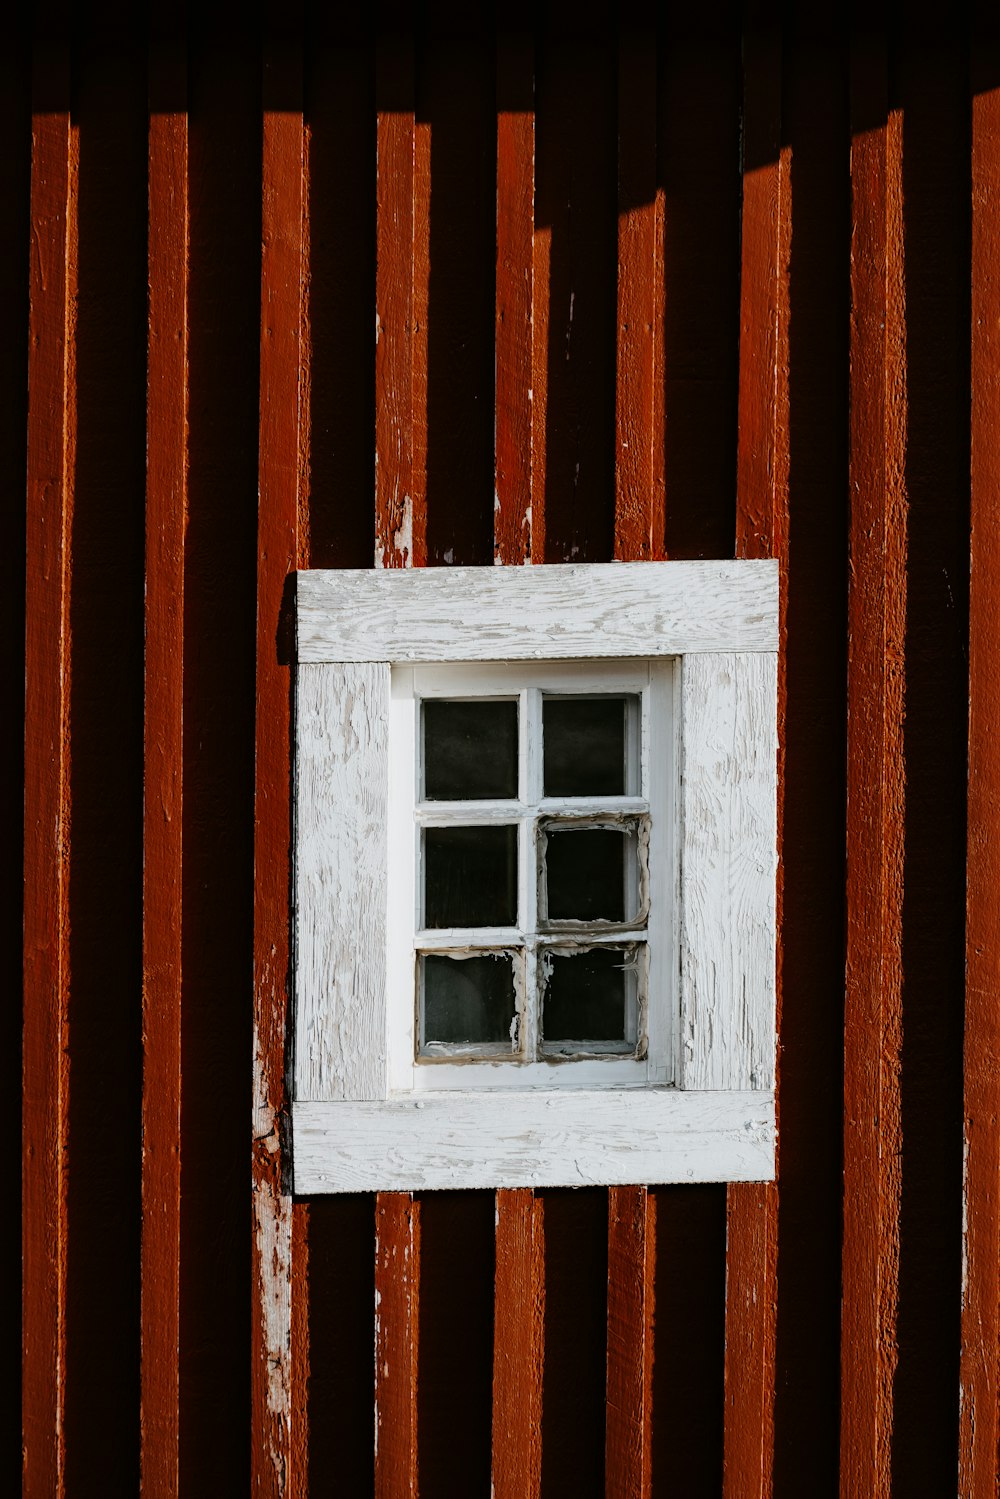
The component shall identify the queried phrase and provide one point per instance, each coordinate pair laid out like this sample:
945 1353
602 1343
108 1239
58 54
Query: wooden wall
282 293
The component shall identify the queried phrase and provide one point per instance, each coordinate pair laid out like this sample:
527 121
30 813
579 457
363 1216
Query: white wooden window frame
357 1125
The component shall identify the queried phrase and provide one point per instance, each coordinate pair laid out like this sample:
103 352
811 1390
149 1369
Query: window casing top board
580 611
352 1129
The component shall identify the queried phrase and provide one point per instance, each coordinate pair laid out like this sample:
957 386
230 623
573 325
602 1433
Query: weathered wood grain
342 783
519 614
272 1466
394 270
166 523
400 542
876 805
727 871
570 1137
518 1345
397 1280
45 1059
410 541
514 298
639 519
979 1410
629 1416
639 528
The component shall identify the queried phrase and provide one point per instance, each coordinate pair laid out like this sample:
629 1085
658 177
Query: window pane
468 999
585 872
470 750
583 740
470 876
585 997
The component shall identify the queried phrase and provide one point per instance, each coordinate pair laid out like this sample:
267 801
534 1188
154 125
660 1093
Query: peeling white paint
402 540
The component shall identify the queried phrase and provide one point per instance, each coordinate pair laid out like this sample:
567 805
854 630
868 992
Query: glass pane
468 999
583 742
470 876
585 870
586 995
470 750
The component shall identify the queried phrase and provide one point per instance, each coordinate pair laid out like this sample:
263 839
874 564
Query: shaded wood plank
519 1309
631 1240
342 782
761 501
513 512
166 523
15 259
698 162
340 86
272 1438
875 783
576 210
815 126
45 1061
639 518
397 1273
979 1411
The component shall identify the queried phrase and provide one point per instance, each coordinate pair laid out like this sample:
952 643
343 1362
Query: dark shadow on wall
106 766
807 1397
931 87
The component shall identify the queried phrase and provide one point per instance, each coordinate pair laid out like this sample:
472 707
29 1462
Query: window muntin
579 931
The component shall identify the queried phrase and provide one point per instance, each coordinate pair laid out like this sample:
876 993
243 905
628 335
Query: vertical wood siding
442 289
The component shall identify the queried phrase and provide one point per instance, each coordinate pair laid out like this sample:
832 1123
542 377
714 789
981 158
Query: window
535 860
530 910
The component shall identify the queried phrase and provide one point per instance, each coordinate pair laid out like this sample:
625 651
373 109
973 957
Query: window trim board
726 871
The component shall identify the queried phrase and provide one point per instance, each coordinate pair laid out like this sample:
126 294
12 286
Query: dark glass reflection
585 874
468 999
585 996
470 876
470 750
583 743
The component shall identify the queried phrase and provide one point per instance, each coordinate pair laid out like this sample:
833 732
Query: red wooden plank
638 434
761 500
400 541
397 1271
541 267
166 521
274 1444
638 535
759 289
631 1237
413 536
517 1345
514 295
979 1430
45 1058
875 787
400 533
